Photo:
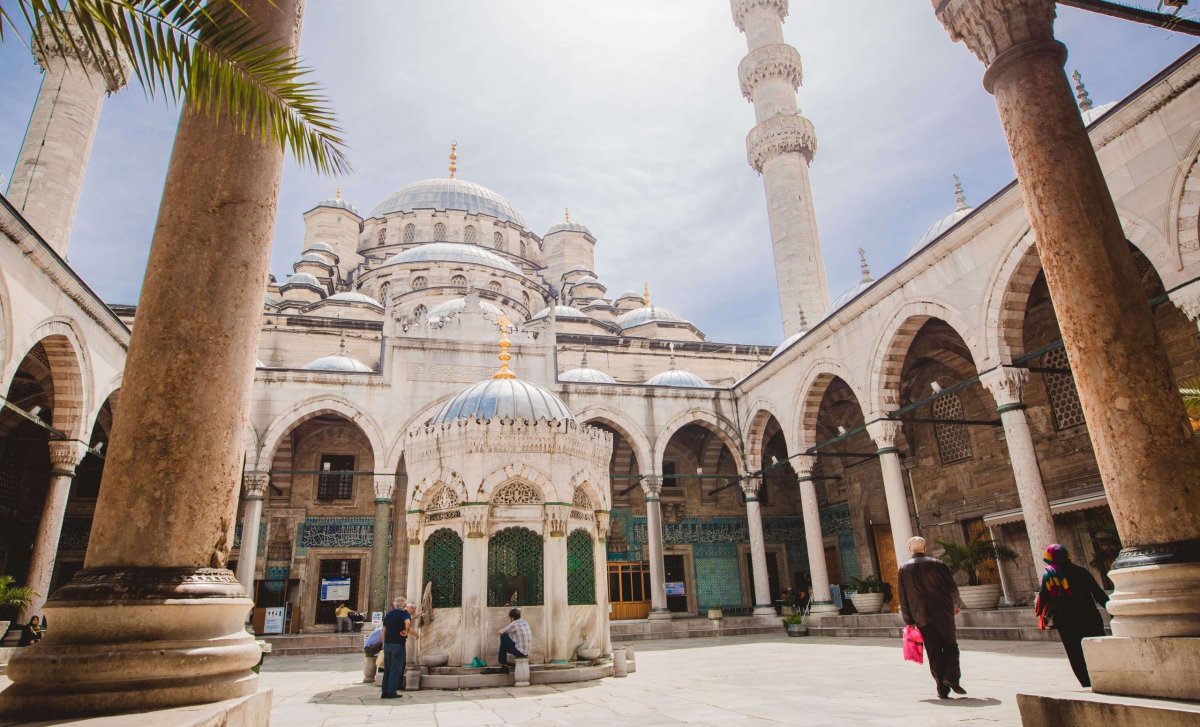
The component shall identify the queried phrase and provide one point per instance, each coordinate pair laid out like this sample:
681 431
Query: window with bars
523 248
439 232
494 286
515 568
420 283
336 481
953 439
410 233
498 241
382 235
670 480
469 234
443 567
1060 390
581 570
459 281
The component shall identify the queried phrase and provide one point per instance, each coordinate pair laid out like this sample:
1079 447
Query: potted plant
13 597
868 594
794 625
967 558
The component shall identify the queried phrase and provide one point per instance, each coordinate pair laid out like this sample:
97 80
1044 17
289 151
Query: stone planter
980 597
715 614
787 611
797 629
867 602
588 654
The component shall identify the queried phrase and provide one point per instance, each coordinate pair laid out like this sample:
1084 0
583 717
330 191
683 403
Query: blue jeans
508 646
393 667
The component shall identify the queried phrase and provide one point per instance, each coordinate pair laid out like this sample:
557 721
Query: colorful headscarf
1054 580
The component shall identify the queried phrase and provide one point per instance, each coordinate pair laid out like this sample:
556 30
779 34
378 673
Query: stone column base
765 611
1155 596
826 607
1144 667
1084 709
659 614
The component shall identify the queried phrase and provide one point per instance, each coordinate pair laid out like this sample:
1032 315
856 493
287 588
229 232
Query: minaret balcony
777 60
742 8
780 135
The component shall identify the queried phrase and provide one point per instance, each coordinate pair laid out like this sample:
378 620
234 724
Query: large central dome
449 194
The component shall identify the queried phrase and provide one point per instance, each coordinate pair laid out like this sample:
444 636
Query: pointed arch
418 496
70 370
624 426
523 473
284 423
761 413
718 425
820 375
6 334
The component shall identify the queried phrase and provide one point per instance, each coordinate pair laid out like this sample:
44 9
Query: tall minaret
48 177
780 147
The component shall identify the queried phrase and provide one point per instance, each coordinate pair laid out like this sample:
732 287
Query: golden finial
567 213
453 158
646 294
338 194
504 322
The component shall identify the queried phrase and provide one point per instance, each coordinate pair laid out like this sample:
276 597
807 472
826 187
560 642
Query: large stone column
554 583
1006 384
758 549
1140 434
822 597
154 619
48 177
474 582
887 433
385 485
600 559
652 486
64 458
255 484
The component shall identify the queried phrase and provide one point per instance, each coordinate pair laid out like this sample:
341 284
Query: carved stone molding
475 520
886 433
125 584
780 135
652 486
413 521
751 486
804 465
603 525
557 517
255 484
1188 300
385 487
777 60
65 456
992 27
742 8
47 49
1006 384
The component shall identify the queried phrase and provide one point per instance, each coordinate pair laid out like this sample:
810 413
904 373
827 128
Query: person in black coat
1067 601
929 600
31 633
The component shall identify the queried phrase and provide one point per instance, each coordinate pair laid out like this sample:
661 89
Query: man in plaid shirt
515 638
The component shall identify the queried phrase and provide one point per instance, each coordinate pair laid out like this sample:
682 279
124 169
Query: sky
630 114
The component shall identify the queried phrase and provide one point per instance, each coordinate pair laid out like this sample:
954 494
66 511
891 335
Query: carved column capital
999 31
475 520
255 484
780 135
1187 299
556 518
804 465
65 456
742 8
887 433
385 487
50 47
1006 384
652 486
603 525
751 486
778 60
414 520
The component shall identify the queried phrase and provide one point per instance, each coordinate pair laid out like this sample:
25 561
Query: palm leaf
1189 389
208 52
19 596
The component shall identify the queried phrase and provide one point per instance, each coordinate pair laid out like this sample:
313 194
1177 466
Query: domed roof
454 306
937 229
353 297
586 376
560 311
449 194
319 247
638 316
1096 112
787 342
457 252
340 361
677 377
865 282
301 279
338 203
628 294
589 280
314 257
569 227
498 398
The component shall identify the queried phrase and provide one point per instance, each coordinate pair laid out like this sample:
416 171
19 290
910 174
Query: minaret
54 156
781 147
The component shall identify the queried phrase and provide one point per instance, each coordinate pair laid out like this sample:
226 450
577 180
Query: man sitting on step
515 638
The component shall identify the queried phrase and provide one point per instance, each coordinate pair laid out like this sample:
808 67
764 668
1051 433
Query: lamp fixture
35 411
841 430
937 388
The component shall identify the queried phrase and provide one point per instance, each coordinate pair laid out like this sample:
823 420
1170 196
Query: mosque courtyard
741 681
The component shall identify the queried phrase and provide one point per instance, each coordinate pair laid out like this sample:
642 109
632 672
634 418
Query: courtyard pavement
730 681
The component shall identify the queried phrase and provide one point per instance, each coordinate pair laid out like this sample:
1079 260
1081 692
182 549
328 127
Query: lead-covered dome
586 376
678 377
341 362
569 227
939 228
560 311
455 306
351 296
638 316
500 398
449 194
454 252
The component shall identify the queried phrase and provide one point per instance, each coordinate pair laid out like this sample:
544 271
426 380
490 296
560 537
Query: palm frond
208 52
19 596
1189 389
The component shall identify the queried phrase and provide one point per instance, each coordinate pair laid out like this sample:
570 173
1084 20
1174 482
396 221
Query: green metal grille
443 567
581 570
515 568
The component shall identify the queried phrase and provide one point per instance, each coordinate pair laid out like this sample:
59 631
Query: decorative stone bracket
475 520
557 517
603 525
413 522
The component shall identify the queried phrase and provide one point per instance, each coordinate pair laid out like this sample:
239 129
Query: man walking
929 600
515 638
395 636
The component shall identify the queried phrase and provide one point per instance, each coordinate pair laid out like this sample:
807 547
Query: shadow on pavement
964 702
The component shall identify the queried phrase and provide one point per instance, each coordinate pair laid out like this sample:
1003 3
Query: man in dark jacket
929 600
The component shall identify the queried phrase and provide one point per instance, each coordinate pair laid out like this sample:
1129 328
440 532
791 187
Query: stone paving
739 681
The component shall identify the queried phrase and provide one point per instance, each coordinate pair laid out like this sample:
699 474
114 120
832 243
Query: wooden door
833 564
629 589
885 554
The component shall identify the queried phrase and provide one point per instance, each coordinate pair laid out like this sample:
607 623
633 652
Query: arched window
494 286
525 298
498 241
410 233
443 568
581 570
459 281
383 292
382 235
420 283
469 234
439 232
515 568
1060 389
522 248
953 439
419 312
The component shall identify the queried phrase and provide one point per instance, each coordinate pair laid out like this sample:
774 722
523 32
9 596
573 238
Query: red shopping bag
914 645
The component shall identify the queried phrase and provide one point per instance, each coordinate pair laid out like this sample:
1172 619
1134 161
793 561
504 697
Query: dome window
382 235
523 248
410 233
498 241
459 281
439 232
469 234
494 286
419 312
525 298
420 283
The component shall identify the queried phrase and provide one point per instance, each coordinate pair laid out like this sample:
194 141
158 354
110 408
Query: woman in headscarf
1067 602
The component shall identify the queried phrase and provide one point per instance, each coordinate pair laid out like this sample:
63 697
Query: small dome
455 306
338 203
586 376
342 362
319 247
848 296
314 257
456 252
638 316
499 398
269 299
1096 112
560 311
353 297
589 280
449 194
629 294
678 377
301 279
788 341
569 227
939 228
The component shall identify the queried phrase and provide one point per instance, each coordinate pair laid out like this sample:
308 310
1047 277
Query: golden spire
453 159
646 294
338 194
567 213
503 322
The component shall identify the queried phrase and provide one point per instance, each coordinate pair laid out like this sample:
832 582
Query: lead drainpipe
912 491
1007 600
